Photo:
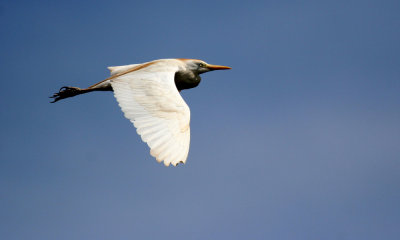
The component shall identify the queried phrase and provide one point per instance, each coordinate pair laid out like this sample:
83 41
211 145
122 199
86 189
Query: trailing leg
66 92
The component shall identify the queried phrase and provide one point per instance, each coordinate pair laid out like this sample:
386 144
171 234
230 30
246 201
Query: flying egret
148 94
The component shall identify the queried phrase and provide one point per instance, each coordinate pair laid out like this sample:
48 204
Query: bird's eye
201 65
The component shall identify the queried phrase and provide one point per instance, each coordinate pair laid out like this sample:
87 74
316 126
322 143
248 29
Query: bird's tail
66 92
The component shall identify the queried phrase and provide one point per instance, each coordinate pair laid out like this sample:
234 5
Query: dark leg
66 92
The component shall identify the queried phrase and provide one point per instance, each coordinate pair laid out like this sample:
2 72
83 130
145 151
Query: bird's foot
66 92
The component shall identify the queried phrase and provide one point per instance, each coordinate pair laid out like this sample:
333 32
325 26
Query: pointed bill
217 67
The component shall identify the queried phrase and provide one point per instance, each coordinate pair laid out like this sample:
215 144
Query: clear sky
300 140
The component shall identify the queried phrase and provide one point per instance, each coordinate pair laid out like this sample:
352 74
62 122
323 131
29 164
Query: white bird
148 94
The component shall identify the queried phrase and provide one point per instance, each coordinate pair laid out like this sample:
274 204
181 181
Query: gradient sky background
300 140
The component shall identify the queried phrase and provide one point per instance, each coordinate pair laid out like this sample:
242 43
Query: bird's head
199 66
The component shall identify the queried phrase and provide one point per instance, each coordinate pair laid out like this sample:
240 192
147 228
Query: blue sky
300 140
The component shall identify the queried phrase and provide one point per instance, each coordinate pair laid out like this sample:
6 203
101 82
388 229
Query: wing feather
119 69
149 99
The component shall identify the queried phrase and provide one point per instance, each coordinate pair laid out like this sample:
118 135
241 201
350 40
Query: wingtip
181 162
166 164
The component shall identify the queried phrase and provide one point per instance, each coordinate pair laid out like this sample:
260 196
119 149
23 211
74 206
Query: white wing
120 69
150 99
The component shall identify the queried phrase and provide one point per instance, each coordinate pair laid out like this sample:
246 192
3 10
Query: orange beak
217 67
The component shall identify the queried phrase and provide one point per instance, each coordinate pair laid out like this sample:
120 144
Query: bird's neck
186 80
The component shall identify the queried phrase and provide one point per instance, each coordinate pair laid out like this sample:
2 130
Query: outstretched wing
151 101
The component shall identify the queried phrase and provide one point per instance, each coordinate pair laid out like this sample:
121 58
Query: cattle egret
148 94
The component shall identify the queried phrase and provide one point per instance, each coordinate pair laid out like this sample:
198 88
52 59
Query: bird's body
148 94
